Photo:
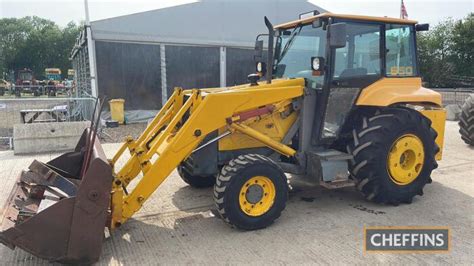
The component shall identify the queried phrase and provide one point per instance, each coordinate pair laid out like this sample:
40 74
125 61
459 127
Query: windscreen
294 51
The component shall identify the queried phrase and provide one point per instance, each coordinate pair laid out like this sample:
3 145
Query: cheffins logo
407 239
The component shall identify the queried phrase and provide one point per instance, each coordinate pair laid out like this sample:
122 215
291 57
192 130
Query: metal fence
36 90
80 64
454 95
12 110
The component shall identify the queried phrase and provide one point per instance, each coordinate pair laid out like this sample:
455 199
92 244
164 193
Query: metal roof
208 22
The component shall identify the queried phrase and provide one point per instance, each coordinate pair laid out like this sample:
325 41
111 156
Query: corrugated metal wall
191 67
132 71
239 64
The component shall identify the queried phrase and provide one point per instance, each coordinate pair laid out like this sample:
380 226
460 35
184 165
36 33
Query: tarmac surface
178 226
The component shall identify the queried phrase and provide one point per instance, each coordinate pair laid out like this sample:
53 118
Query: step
337 184
330 165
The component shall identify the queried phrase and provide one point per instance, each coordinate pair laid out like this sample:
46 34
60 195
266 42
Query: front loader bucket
58 210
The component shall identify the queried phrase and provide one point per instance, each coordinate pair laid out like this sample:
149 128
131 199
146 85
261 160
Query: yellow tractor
337 98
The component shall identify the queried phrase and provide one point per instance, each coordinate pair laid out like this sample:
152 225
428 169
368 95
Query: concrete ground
177 225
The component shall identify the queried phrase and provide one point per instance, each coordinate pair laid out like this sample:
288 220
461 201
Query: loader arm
178 129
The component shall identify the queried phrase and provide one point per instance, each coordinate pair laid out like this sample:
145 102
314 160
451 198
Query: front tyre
251 192
394 153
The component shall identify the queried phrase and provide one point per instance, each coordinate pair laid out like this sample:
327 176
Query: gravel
118 134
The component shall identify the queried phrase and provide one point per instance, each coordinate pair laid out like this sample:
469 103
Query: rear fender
390 91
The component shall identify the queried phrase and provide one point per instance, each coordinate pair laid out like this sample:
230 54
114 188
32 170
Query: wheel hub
405 159
257 196
254 194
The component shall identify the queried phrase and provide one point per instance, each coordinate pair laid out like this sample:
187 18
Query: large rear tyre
466 121
195 181
251 192
394 153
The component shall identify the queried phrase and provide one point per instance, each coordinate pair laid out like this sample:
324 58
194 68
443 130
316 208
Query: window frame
382 48
416 69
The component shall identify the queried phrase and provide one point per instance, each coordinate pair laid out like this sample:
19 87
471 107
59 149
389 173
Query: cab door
352 68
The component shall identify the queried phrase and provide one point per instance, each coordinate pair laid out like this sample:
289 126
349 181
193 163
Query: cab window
400 50
361 55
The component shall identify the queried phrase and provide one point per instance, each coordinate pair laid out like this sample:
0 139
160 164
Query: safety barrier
36 110
454 95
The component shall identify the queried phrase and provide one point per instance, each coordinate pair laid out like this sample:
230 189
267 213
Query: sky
63 11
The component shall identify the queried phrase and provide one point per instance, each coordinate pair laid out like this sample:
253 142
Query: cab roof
352 17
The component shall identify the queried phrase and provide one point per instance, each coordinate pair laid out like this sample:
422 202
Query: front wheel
251 192
394 153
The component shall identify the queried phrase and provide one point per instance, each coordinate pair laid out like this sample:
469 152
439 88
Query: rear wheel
466 121
195 181
251 192
394 153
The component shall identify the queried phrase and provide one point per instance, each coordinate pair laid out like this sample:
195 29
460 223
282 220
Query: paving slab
178 226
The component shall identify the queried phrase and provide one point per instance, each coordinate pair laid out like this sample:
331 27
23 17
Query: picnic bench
55 114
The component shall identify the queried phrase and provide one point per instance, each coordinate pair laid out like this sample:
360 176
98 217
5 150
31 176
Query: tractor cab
340 57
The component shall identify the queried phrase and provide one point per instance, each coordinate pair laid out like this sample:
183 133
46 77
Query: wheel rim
405 160
257 196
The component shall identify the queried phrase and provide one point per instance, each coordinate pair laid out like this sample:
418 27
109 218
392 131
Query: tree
463 46
446 53
35 43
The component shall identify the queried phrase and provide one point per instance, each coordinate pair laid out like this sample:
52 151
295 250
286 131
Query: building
142 57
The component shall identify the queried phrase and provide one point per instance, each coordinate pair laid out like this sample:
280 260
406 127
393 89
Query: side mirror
317 23
422 27
258 50
337 35
309 14
317 65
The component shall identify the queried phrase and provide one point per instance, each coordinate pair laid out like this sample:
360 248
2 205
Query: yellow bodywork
274 126
168 141
389 91
438 122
